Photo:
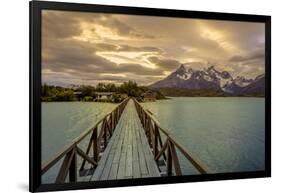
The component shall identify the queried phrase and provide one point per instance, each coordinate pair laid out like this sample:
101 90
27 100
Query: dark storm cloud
60 25
106 47
76 56
135 69
72 55
124 48
258 54
56 26
77 60
123 29
61 53
128 48
165 64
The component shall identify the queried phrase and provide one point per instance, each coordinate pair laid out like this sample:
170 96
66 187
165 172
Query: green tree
66 95
130 88
87 91
100 87
110 87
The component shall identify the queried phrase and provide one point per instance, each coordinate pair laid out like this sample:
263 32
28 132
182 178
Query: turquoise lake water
62 122
226 134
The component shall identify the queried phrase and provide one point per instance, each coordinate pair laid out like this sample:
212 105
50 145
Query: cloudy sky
87 48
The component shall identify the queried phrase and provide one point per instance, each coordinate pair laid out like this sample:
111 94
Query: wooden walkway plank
128 154
108 164
116 159
102 162
143 167
136 164
151 165
129 162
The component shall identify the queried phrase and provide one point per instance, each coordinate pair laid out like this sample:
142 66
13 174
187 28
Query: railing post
73 168
67 166
111 122
104 133
148 130
114 118
118 113
95 145
145 123
161 146
87 152
143 119
151 136
108 126
155 143
169 160
175 159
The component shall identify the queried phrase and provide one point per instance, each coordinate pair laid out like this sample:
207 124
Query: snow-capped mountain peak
242 81
208 78
222 78
183 73
181 70
259 77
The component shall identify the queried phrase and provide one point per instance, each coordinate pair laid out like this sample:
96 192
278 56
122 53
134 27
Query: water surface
226 134
62 122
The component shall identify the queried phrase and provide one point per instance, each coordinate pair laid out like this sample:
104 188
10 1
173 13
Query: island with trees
100 93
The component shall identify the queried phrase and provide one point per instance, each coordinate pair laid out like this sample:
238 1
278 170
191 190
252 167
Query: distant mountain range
209 81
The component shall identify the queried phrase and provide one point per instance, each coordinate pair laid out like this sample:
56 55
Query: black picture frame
36 8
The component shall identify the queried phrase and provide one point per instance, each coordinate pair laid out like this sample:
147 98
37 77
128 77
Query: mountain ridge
213 80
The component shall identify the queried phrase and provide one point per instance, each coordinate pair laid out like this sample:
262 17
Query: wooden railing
167 150
100 134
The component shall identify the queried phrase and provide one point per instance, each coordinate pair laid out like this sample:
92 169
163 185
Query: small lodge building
110 96
77 93
104 95
122 95
149 96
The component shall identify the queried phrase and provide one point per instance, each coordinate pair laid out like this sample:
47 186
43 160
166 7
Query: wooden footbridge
126 143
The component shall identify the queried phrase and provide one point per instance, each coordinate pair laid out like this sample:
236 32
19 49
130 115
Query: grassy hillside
175 92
